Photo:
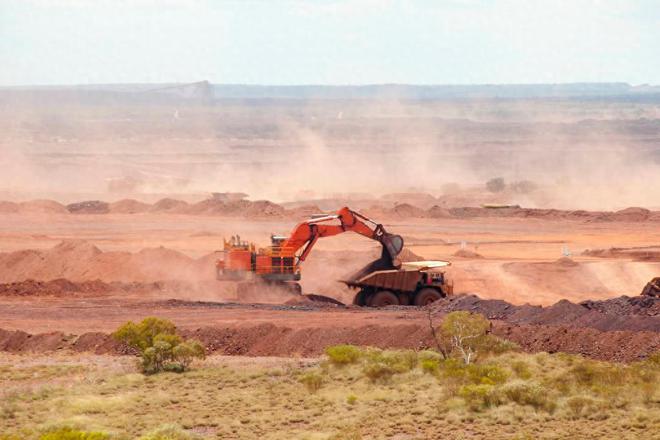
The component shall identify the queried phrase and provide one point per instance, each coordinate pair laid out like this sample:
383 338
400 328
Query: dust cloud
576 154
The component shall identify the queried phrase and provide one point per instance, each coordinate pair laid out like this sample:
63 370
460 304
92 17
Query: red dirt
268 339
624 313
169 205
89 207
466 253
128 206
56 287
78 260
651 254
43 206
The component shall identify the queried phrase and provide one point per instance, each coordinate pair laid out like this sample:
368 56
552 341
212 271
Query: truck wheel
360 299
383 298
426 296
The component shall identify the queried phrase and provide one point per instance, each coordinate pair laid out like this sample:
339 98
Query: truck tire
426 296
383 298
360 299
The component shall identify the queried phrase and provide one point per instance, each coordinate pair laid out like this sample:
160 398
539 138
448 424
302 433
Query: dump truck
416 283
385 281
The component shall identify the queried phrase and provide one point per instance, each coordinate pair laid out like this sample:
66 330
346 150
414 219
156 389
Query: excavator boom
307 233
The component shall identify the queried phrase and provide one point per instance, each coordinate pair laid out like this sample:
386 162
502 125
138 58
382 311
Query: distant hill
421 92
205 91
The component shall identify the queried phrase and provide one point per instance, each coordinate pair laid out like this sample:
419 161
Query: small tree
159 346
467 332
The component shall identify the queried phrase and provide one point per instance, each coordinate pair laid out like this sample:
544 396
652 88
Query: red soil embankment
272 340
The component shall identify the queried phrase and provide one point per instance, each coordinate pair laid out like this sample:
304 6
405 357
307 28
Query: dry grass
508 396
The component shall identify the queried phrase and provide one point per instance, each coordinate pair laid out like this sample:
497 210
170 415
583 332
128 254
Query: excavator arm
307 233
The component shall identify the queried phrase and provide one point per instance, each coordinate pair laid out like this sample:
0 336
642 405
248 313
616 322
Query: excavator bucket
393 244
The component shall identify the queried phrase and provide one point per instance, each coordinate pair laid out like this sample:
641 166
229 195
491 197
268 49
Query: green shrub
343 354
68 433
478 397
351 399
400 361
378 372
160 348
486 374
430 366
313 381
529 394
141 336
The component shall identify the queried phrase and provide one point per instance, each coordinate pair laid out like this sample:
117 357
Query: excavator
386 281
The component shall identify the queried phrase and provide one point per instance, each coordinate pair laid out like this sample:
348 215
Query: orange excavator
280 262
383 282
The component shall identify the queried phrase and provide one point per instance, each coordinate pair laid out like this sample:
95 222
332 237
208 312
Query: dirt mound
263 208
99 343
169 205
634 314
625 215
625 306
406 205
271 340
466 253
622 346
649 254
56 287
438 212
65 260
304 211
268 339
78 260
208 207
89 207
8 207
406 210
128 206
237 208
566 262
43 207
417 199
19 341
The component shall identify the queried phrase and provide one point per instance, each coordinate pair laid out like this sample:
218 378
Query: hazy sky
329 41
